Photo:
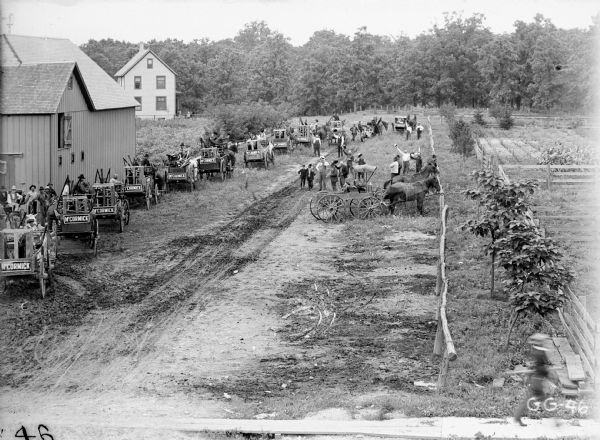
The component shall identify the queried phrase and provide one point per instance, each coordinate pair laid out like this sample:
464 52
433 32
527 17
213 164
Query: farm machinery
76 220
259 151
281 141
335 132
141 183
177 172
110 203
27 253
400 123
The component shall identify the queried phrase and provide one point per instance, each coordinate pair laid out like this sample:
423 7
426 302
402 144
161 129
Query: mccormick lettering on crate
176 176
207 160
76 219
105 210
24 266
133 187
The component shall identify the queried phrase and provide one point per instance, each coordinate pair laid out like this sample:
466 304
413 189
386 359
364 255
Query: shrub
241 120
503 115
448 111
462 138
478 118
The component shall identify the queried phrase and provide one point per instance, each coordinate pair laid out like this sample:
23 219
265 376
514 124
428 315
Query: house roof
34 88
136 59
103 91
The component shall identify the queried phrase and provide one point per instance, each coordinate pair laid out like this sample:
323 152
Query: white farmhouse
151 82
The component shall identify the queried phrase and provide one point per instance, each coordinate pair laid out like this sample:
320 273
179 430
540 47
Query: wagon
176 176
281 141
399 124
140 183
303 135
256 152
77 220
27 253
336 130
210 162
109 203
357 200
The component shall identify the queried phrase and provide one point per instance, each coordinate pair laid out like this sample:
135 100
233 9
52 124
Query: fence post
548 176
443 372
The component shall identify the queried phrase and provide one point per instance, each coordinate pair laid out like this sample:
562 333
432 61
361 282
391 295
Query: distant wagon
77 220
258 151
27 253
212 160
177 174
109 203
303 135
281 140
140 183
336 130
400 123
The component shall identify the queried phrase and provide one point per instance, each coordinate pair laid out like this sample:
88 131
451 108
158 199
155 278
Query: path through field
247 307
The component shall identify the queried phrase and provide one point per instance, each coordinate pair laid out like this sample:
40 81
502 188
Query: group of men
337 172
401 163
30 206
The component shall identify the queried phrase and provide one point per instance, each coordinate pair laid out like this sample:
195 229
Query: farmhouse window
149 63
161 103
161 82
59 161
138 99
137 82
65 130
70 83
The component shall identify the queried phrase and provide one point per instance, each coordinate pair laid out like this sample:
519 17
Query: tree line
460 62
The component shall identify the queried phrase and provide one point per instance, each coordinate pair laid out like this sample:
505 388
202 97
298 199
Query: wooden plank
575 368
581 323
583 311
583 347
564 380
574 173
590 370
563 347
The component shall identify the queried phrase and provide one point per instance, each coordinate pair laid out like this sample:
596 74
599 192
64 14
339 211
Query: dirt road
267 313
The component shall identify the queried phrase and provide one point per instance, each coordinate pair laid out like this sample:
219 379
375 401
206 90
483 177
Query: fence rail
443 345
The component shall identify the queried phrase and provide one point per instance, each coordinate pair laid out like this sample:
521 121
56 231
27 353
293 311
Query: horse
82 187
405 192
430 170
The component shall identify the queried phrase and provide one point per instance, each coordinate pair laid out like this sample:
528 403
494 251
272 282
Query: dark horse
430 170
405 192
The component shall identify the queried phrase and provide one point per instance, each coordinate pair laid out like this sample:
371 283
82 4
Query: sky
144 20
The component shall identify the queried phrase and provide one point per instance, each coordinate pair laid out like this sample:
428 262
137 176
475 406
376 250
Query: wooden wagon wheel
126 212
314 201
330 208
156 194
222 169
42 274
369 207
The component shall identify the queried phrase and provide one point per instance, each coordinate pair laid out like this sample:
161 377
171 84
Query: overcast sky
143 20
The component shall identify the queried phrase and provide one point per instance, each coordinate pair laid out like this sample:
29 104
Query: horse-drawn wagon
400 123
109 203
358 199
303 135
27 253
281 141
215 160
77 220
140 182
177 173
259 151
335 133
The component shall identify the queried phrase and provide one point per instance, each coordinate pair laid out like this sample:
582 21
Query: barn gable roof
104 92
35 88
136 59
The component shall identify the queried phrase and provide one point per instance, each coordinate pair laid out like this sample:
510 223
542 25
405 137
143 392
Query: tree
462 138
501 203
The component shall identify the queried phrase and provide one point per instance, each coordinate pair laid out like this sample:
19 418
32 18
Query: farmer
353 131
317 146
303 174
146 160
310 176
418 161
360 161
322 173
405 159
343 171
408 132
394 167
333 174
539 375
420 129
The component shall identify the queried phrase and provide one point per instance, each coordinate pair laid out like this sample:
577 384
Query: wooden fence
551 175
443 345
582 331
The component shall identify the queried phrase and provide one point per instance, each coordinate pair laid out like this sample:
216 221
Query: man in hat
333 174
82 186
146 161
394 168
50 190
310 176
317 146
360 161
540 366
30 222
114 179
322 173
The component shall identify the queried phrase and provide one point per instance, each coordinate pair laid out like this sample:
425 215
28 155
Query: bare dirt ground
239 306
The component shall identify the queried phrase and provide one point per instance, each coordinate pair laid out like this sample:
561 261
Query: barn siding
29 135
104 137
72 100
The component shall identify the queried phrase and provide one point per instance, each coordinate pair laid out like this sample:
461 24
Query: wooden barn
61 114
